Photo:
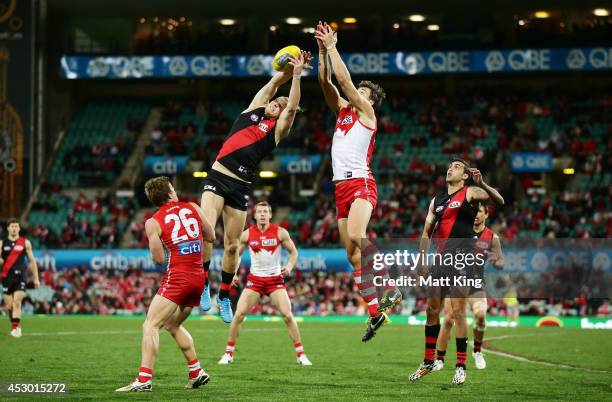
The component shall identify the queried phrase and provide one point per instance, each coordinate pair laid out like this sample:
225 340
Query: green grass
96 355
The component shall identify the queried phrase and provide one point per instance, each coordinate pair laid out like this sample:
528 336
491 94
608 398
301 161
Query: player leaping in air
265 241
254 135
352 148
180 228
487 242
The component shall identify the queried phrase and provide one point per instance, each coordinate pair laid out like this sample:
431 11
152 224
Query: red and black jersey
14 256
455 220
251 139
482 245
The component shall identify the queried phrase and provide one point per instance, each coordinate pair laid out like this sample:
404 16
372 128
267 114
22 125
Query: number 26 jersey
181 234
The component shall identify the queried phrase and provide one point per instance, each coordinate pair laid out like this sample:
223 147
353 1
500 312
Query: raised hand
476 176
327 36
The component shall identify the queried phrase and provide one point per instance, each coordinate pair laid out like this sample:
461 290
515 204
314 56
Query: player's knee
239 316
288 317
355 239
458 313
231 247
433 311
16 304
449 320
480 317
149 326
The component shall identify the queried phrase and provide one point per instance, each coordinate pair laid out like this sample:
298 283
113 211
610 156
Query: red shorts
182 288
349 190
264 285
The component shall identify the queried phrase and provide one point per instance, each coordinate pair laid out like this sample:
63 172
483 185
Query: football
281 59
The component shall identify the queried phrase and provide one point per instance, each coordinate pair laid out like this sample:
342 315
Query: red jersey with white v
352 146
181 235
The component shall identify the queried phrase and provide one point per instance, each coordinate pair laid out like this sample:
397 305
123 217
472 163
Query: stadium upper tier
417 137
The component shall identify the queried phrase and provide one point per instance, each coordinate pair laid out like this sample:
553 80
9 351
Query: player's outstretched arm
156 247
424 243
267 92
207 230
482 191
496 256
330 92
285 120
32 263
288 245
329 39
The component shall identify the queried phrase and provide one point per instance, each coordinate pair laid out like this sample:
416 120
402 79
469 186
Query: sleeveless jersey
482 246
352 146
265 249
181 234
251 139
14 256
455 217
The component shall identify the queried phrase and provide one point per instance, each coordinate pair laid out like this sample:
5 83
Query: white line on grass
527 360
129 332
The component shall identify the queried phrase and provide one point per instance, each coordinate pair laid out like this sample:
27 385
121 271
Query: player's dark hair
157 190
10 221
264 204
483 205
378 93
466 167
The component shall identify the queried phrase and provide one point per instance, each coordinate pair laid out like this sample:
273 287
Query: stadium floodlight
349 20
541 14
267 174
416 18
396 25
521 22
200 174
433 27
293 21
309 30
273 28
568 171
601 12
227 21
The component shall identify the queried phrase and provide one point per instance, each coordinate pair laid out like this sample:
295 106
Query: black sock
226 282
431 338
477 346
441 354
206 269
461 351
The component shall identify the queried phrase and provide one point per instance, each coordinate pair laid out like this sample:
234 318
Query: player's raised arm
156 247
288 245
496 257
31 263
329 38
285 120
482 191
330 92
267 92
207 230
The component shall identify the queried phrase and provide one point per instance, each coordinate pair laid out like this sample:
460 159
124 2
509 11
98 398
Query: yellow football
280 62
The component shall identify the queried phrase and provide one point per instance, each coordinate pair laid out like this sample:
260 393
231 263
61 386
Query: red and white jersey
181 234
265 249
352 146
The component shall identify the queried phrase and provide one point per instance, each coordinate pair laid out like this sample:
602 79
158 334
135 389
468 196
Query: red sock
299 349
145 374
368 292
194 367
229 349
15 323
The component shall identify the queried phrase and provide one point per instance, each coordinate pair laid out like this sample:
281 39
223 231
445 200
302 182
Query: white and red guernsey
265 249
352 146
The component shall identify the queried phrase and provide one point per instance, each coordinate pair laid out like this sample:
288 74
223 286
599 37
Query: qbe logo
269 242
454 204
190 247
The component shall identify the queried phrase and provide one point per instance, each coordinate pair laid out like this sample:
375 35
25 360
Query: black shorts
235 192
13 282
443 283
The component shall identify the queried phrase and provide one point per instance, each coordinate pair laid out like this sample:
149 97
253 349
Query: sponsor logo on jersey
357 193
254 243
482 244
268 242
264 127
347 120
209 187
190 247
454 204
348 175
249 283
440 208
242 169
254 117
19 248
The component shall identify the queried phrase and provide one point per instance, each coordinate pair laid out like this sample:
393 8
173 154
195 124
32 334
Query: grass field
95 355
